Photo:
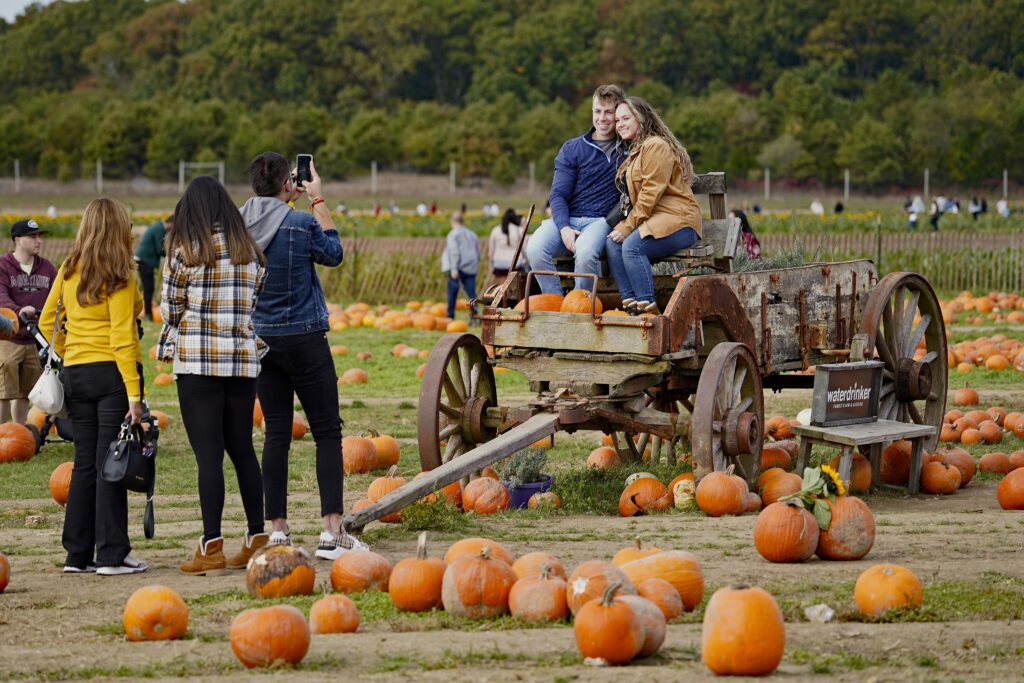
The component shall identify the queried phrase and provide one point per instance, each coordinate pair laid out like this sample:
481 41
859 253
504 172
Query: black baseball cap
24 227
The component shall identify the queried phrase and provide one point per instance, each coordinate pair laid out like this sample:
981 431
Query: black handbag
131 463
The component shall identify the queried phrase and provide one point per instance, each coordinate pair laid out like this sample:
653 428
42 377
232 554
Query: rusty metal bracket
766 333
853 307
802 329
840 322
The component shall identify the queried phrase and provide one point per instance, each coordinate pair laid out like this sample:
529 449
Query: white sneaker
331 547
71 569
280 538
129 565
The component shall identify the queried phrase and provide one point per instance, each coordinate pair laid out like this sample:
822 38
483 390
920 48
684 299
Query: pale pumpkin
360 570
540 598
278 571
680 568
886 586
589 581
335 613
476 586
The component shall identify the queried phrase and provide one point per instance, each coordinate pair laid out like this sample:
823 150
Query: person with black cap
25 281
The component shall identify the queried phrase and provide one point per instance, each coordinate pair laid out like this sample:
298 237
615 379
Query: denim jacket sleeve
324 246
562 185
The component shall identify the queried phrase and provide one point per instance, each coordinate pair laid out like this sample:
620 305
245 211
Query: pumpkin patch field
615 580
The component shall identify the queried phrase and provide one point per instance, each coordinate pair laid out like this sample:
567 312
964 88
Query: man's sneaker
87 569
129 565
280 538
331 547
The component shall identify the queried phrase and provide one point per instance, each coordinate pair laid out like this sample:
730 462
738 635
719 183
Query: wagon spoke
887 403
474 379
907 320
914 414
454 397
741 377
451 429
467 371
882 346
888 319
450 412
917 335
744 404
886 389
456 366
929 357
452 448
716 426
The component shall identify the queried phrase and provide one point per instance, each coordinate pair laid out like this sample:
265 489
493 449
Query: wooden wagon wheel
903 322
728 413
458 388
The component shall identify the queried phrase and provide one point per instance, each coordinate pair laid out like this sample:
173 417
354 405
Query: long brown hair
651 125
102 251
204 207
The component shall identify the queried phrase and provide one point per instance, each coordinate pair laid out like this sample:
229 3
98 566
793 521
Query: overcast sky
11 8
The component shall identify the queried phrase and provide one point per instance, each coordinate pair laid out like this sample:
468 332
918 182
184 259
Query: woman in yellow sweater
99 307
660 213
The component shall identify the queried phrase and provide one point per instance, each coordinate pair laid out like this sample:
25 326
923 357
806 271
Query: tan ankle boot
250 544
208 560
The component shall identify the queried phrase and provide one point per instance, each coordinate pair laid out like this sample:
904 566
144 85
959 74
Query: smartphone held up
302 170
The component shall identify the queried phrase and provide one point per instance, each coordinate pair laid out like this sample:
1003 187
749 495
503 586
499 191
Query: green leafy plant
820 485
525 467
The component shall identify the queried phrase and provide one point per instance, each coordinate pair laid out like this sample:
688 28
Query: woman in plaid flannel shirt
212 278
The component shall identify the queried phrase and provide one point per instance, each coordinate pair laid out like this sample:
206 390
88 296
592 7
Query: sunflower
836 482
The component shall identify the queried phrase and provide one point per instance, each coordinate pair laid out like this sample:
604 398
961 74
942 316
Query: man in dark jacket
582 194
148 255
291 317
25 281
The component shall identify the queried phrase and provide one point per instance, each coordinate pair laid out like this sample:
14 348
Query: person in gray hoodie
291 317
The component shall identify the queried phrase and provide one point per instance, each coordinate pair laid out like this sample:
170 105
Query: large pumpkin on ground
485 496
663 594
260 637
386 448
1010 492
721 493
589 581
609 629
634 552
643 496
415 583
652 620
860 472
895 467
743 633
60 482
278 571
155 613
360 570
785 532
884 587
16 443
477 586
540 598
530 565
5 572
850 534
473 546
358 455
678 567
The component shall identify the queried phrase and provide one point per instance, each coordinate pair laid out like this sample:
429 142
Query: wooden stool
872 434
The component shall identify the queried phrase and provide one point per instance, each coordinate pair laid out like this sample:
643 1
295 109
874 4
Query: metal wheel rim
888 321
457 371
729 380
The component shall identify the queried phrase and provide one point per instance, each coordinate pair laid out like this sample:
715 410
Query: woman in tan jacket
660 213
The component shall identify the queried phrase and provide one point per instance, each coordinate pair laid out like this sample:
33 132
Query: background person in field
25 280
100 307
461 261
147 256
582 193
660 214
291 316
501 246
211 280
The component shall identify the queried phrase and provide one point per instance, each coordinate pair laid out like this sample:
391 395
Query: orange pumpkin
163 420
1009 493
778 427
36 418
278 571
652 620
5 572
895 466
860 472
664 596
542 302
163 379
603 458
995 463
850 534
762 479
721 493
579 301
754 502
642 496
786 532
940 478
884 587
529 566
358 455
780 485
155 613
539 598
774 457
962 460
990 432
360 570
299 427
415 583
473 546
685 476
260 637
476 586
386 448
970 437
257 414
1016 460
9 324
382 486
334 613
17 444
485 496
743 632
678 567
965 396
633 552
60 482
609 629
589 581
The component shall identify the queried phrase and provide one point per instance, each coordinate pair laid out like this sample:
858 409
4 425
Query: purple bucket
520 495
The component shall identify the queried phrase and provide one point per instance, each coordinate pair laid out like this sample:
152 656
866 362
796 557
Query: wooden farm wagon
697 371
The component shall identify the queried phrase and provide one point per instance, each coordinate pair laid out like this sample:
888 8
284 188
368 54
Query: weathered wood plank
709 183
548 369
865 434
503 445
576 332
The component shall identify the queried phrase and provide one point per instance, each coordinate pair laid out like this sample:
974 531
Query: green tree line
807 88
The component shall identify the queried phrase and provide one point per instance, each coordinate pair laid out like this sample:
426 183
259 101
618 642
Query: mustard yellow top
106 331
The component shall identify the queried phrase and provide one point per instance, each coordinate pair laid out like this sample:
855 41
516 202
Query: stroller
64 431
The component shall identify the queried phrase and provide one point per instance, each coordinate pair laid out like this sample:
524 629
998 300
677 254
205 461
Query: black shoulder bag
131 464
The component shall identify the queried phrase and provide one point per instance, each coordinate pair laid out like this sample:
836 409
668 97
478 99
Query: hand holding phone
302 169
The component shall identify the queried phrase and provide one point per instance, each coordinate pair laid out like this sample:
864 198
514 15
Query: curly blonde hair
651 125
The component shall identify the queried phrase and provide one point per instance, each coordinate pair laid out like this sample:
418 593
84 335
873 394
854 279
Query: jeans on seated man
582 193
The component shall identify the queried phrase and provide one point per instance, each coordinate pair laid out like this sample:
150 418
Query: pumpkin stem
485 552
421 546
609 593
639 543
739 586
392 472
729 469
370 433
545 571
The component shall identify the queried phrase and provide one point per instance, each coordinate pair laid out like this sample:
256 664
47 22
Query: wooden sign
846 393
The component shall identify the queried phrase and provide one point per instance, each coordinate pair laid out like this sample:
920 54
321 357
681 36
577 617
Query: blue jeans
546 244
630 262
468 282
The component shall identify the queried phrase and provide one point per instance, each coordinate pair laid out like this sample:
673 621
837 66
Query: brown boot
250 544
208 560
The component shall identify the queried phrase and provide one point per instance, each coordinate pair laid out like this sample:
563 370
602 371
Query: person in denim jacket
291 317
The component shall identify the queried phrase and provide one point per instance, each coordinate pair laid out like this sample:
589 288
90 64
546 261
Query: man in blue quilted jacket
582 194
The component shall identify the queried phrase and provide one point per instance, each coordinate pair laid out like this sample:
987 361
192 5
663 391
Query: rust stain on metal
802 328
709 297
840 322
853 309
766 335
825 272
774 279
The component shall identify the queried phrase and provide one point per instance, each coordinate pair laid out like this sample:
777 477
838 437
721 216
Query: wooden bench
871 434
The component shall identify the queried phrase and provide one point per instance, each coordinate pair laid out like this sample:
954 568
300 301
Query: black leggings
300 364
147 275
217 412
